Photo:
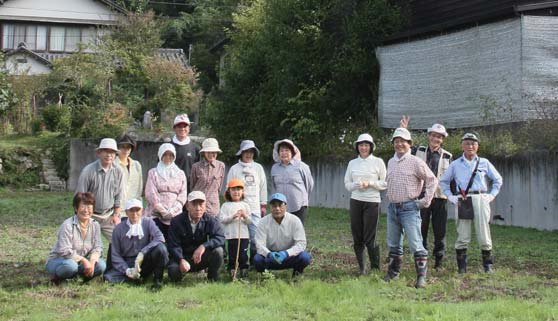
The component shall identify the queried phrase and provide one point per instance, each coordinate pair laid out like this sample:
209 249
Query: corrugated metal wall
449 78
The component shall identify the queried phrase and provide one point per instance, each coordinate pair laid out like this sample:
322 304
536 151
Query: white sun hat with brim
438 129
289 142
402 133
108 143
246 145
210 145
365 138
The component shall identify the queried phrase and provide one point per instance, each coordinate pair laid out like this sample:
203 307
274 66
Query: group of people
419 181
183 227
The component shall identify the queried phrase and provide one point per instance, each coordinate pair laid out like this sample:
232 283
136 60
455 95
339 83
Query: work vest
443 164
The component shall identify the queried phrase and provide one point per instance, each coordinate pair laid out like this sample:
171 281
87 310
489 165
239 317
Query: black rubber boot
487 261
359 253
461 256
374 255
421 268
394 267
438 262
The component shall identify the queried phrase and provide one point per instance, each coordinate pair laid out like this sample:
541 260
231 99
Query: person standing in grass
281 240
291 177
406 177
139 248
471 174
187 151
131 169
365 178
438 160
235 217
79 246
104 180
255 187
165 189
196 241
208 174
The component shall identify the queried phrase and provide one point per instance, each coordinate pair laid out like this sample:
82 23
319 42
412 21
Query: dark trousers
232 246
438 214
154 262
301 213
212 260
364 223
163 228
297 263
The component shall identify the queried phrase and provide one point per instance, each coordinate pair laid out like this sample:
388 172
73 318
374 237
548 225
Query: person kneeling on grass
79 246
281 240
196 241
138 248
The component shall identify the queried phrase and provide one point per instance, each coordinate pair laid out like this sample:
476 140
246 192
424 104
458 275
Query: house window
57 36
43 37
8 36
34 37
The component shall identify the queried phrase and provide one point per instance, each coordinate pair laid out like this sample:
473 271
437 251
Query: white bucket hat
108 143
210 145
289 142
402 133
181 119
365 138
133 203
246 145
439 129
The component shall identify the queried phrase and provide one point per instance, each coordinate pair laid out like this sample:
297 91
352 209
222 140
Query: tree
302 69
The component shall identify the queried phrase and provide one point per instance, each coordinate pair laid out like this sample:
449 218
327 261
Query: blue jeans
297 263
67 268
404 218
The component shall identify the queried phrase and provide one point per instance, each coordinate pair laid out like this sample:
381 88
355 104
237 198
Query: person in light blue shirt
461 170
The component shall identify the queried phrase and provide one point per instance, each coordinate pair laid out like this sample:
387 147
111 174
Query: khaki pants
481 207
105 221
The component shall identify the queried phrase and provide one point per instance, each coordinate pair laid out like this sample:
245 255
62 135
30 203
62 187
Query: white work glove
132 273
139 260
421 204
356 185
488 197
453 199
159 208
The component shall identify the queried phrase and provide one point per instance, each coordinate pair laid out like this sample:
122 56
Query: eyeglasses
469 143
85 207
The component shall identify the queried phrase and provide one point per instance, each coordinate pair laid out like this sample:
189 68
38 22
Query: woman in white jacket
365 178
255 186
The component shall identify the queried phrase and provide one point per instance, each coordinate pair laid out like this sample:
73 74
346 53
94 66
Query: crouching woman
78 248
138 248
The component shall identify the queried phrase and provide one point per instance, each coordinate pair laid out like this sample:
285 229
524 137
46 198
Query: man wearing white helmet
406 177
438 160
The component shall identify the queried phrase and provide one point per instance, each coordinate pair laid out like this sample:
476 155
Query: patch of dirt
54 293
187 304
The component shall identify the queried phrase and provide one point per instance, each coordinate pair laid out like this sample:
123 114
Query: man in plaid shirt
406 176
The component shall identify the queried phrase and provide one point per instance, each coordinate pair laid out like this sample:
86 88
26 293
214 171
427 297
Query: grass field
524 287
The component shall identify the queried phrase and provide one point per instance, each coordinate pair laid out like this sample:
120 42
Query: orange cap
235 182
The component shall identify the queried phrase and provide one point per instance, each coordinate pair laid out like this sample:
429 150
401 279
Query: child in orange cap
235 217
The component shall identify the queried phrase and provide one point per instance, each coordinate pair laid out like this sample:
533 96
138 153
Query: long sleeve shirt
208 178
255 183
183 241
288 236
405 178
462 169
371 169
124 247
230 224
70 243
106 185
171 193
132 180
295 181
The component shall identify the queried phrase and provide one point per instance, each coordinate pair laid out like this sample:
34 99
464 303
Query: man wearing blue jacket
195 241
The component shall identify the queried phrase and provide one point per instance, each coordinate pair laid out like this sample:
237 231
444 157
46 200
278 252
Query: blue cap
279 197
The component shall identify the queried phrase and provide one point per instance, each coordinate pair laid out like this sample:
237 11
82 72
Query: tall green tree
304 69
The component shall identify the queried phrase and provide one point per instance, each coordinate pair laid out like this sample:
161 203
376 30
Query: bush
57 118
